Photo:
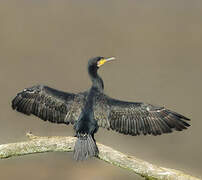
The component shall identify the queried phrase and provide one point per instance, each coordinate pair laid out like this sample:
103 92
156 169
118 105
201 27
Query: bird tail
85 147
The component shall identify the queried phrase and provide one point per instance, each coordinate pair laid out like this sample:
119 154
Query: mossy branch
37 144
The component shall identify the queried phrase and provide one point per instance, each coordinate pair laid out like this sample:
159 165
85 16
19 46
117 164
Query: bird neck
97 81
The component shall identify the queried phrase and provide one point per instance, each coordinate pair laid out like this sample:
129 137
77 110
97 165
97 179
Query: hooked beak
104 60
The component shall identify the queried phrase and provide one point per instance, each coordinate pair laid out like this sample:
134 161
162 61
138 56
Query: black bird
92 109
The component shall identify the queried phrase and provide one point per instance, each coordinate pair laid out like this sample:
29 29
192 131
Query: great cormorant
92 109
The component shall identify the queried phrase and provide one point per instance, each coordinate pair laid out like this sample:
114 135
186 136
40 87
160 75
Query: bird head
97 62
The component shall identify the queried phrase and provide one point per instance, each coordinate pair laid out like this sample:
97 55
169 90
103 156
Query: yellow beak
104 60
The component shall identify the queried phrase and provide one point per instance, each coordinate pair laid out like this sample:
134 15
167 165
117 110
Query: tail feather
85 147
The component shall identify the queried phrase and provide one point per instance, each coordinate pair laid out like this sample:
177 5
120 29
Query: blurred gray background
158 45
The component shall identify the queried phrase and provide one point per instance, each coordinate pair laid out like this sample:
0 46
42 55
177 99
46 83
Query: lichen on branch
37 144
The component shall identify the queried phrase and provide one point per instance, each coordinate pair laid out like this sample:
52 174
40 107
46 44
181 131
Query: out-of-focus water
158 45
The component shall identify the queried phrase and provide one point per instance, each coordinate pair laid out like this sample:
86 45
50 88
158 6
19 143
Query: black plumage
92 109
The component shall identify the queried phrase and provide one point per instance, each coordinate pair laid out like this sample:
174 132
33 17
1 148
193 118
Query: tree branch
66 144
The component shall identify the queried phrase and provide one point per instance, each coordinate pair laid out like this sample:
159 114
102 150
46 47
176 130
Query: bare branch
37 144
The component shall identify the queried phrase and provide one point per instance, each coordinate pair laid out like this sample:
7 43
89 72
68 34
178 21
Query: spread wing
49 104
136 118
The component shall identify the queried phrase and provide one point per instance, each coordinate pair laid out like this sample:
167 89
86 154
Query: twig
38 144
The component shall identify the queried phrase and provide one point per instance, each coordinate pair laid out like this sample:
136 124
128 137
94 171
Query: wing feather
136 118
49 104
